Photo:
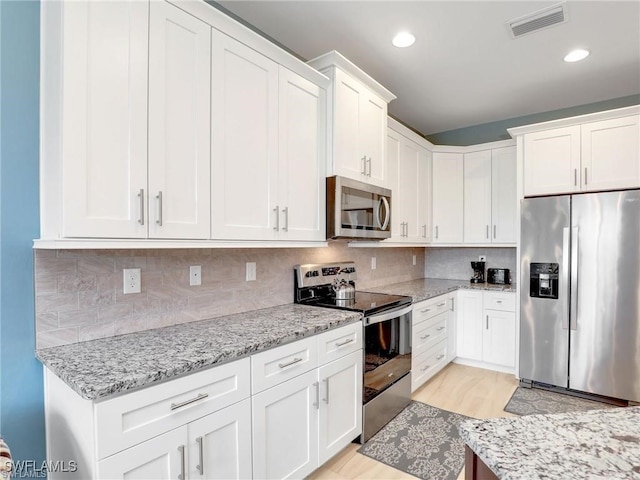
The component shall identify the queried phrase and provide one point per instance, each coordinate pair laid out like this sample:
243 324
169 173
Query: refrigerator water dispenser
543 280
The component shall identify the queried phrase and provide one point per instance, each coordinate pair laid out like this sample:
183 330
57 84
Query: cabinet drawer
500 301
429 308
135 417
339 342
429 332
427 364
282 363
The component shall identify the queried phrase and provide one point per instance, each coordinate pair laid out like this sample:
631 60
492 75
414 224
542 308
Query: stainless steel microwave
357 210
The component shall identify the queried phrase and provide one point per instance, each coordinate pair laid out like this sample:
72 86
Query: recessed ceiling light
576 55
403 39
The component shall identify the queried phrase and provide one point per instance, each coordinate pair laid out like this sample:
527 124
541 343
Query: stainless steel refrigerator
580 293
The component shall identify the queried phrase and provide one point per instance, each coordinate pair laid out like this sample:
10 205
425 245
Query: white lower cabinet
302 422
217 446
486 329
431 336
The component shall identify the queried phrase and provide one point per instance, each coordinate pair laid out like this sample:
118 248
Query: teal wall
491 132
21 390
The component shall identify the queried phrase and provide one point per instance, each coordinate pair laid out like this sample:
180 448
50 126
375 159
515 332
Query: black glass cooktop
366 302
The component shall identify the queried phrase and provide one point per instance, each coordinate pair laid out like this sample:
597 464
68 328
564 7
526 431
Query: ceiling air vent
539 20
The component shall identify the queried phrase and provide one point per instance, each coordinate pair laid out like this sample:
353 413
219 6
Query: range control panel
543 280
311 275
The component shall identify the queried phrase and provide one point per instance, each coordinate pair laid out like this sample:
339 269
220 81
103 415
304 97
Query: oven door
387 351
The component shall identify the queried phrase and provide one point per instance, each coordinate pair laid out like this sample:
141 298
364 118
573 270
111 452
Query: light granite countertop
597 444
426 288
99 368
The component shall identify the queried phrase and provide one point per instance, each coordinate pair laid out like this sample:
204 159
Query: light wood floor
466 390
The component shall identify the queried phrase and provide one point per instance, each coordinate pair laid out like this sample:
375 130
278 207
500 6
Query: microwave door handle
387 213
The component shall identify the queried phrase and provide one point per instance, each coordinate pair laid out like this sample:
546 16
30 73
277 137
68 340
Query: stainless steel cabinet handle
441 304
317 402
369 170
200 466
425 310
487 322
487 232
436 231
285 210
494 231
277 210
575 177
364 165
585 175
424 230
181 475
498 301
295 360
452 307
440 329
425 368
159 197
340 344
175 406
326 391
141 195
440 357
424 337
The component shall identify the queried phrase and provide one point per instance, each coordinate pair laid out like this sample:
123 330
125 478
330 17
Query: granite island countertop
602 444
98 368
426 288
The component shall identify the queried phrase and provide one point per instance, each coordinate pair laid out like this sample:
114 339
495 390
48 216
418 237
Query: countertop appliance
498 276
478 272
357 210
580 295
386 337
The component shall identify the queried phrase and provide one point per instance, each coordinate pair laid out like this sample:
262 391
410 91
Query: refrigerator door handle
573 319
564 286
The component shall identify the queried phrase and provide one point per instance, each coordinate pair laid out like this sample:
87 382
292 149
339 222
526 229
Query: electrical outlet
131 280
483 258
414 259
251 271
195 275
373 263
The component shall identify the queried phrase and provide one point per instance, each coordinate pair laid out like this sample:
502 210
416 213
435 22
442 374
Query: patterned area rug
422 441
532 401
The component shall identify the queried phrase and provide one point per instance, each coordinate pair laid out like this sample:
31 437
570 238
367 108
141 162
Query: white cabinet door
104 118
469 325
408 190
160 458
285 428
552 161
179 124
477 197
499 338
302 154
372 135
244 135
220 444
424 195
611 154
447 197
340 404
504 200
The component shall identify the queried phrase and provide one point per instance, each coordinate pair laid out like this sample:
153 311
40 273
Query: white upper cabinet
594 152
94 119
244 136
611 154
490 200
179 124
408 167
302 154
357 121
448 195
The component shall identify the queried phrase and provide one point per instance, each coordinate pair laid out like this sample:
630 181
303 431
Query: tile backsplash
455 262
78 293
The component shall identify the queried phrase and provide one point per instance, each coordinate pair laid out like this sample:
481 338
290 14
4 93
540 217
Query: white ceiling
465 69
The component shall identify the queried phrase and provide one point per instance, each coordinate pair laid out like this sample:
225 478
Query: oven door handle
383 317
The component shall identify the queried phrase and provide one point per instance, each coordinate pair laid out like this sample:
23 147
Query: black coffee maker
478 272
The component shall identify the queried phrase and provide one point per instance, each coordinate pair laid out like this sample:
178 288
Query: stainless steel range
386 334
